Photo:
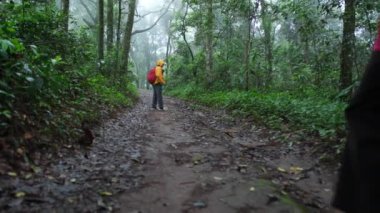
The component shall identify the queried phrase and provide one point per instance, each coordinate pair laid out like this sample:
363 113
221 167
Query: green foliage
294 65
294 44
284 110
102 87
49 81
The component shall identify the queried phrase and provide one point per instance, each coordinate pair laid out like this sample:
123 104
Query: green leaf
19 47
6 45
30 79
27 68
6 113
11 30
56 60
2 92
34 49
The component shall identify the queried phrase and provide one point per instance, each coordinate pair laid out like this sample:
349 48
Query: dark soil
184 159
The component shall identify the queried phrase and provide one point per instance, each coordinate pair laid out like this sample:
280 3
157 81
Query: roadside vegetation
292 66
51 82
284 111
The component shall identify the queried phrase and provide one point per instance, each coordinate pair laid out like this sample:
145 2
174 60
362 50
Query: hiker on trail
157 86
358 187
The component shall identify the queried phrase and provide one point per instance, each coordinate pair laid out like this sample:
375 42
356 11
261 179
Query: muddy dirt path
198 160
185 159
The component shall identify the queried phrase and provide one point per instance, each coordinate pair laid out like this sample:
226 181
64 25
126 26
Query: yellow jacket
159 72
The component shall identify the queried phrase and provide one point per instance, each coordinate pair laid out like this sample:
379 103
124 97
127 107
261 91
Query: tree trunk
66 13
267 25
118 37
109 25
128 34
249 17
348 45
101 30
168 48
209 42
183 33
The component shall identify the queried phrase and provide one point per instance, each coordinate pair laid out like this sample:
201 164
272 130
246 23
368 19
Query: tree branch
89 24
143 16
88 11
155 23
93 2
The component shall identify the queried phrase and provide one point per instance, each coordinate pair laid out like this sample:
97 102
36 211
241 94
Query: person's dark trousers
157 96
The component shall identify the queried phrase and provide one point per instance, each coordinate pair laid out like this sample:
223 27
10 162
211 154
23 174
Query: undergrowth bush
49 83
314 115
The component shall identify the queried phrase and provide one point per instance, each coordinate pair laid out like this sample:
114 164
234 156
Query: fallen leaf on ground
281 169
105 193
70 200
20 151
28 136
200 204
12 174
295 169
28 176
20 194
264 170
218 178
36 169
197 158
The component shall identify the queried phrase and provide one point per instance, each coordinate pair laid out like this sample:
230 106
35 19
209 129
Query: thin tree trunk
209 41
66 13
248 46
246 55
109 25
168 48
183 33
118 37
348 44
306 50
101 31
267 25
128 34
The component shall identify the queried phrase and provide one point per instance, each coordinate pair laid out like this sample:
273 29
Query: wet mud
186 158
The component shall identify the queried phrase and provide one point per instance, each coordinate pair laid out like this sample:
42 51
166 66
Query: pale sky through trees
150 4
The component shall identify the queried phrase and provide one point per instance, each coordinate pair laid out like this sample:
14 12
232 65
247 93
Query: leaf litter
221 157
